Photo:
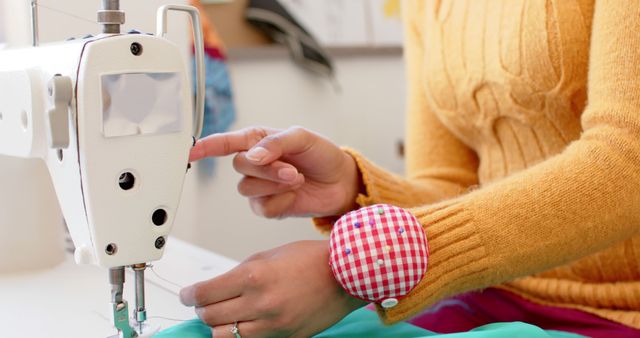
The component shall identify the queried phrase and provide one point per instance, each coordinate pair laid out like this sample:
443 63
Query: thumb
294 140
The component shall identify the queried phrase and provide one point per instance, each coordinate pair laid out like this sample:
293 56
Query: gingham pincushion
378 253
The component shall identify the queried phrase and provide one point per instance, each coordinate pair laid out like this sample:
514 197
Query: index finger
214 290
228 143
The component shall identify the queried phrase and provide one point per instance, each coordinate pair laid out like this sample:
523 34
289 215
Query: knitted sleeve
579 202
439 165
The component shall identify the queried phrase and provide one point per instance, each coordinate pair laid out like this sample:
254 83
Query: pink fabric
215 53
473 309
378 253
212 52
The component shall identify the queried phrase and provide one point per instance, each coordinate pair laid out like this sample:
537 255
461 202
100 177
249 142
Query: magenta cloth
470 310
215 53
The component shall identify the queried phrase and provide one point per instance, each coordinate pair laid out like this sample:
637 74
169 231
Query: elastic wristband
378 253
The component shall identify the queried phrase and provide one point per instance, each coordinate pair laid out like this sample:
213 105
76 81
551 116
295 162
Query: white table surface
73 301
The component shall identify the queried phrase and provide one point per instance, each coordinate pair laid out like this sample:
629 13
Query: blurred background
332 66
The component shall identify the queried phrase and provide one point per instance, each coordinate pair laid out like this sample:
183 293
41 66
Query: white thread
67 13
151 268
168 318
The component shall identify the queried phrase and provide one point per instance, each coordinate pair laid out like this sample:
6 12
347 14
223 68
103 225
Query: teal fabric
364 323
189 329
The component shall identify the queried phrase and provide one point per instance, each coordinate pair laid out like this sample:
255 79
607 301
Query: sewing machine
113 117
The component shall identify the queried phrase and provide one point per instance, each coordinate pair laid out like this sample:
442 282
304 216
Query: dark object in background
273 19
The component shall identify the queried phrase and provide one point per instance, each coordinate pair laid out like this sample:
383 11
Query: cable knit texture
523 151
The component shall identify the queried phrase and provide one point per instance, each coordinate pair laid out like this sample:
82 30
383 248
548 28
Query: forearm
430 186
573 205
569 206
376 185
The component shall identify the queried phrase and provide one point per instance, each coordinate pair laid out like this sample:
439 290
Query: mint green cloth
190 329
364 323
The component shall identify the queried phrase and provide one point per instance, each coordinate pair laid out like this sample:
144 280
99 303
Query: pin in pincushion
378 253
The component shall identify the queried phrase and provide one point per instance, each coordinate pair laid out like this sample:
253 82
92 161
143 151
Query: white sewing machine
113 118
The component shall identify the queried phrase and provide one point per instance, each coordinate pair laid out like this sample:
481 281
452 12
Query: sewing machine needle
140 309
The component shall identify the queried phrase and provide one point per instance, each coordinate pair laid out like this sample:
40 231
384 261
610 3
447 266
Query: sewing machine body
113 118
86 174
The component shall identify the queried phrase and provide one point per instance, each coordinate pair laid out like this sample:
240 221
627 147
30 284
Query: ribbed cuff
458 260
379 186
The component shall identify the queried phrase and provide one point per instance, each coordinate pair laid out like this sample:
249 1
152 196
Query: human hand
284 292
292 172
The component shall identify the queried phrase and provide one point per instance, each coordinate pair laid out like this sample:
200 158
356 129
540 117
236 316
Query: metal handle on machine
199 53
35 39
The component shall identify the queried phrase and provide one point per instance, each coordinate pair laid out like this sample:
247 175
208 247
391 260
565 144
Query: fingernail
256 154
288 174
187 296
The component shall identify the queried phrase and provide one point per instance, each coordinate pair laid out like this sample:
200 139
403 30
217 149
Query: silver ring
234 330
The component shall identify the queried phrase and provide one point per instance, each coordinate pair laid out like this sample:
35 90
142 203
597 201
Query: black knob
136 49
160 242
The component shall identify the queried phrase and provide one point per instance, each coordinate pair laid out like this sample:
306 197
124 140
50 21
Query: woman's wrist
353 184
350 302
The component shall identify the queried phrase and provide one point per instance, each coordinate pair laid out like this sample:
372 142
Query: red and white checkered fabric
378 253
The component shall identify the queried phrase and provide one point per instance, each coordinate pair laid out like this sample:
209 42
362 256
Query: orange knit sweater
523 151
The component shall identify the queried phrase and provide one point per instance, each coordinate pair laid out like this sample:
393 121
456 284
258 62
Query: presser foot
121 321
120 307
